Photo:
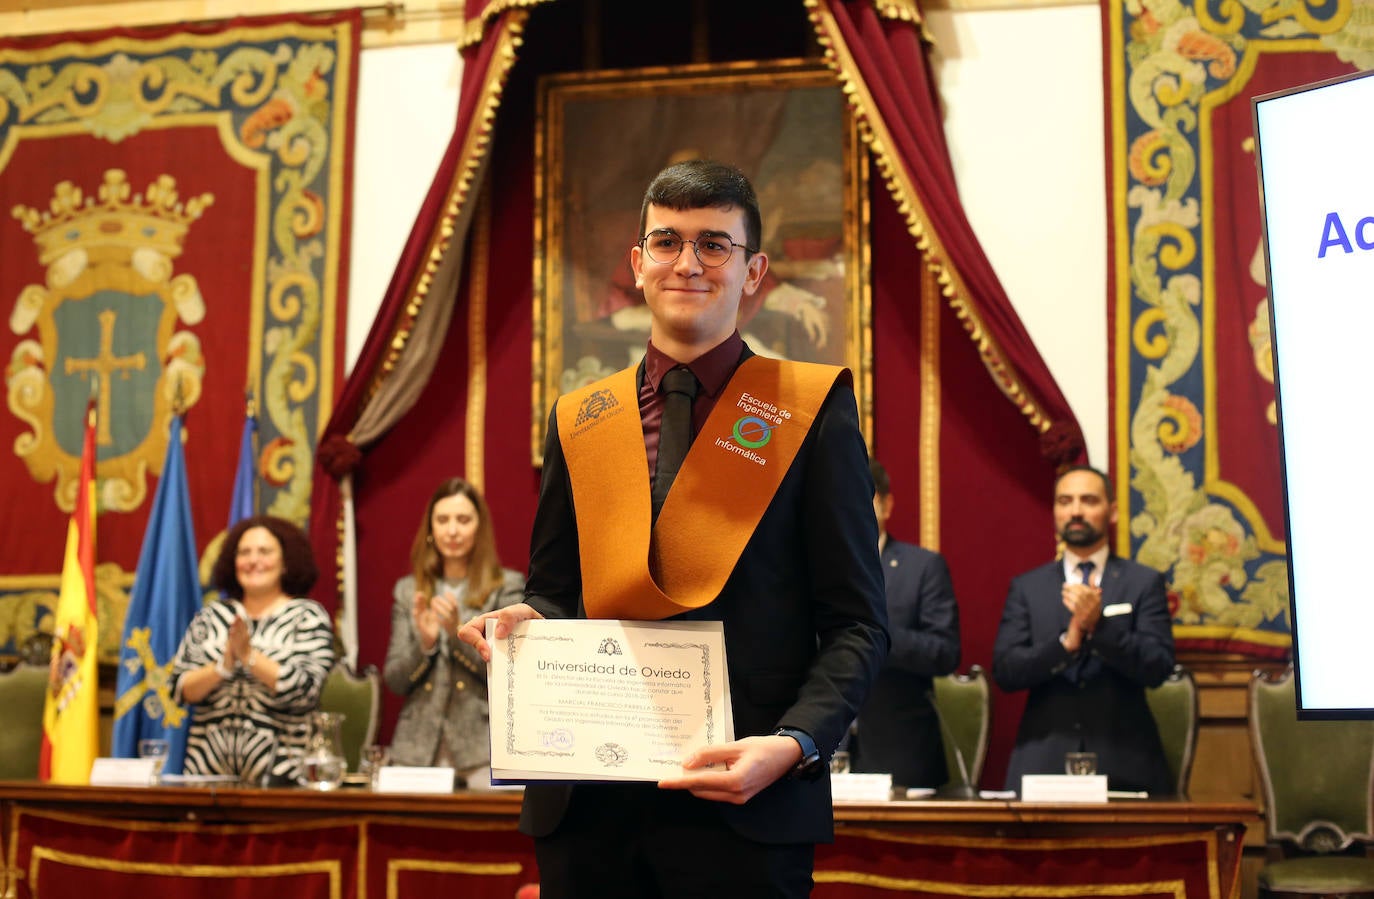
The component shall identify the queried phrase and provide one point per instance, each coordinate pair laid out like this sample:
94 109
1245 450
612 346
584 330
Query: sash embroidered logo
753 432
594 406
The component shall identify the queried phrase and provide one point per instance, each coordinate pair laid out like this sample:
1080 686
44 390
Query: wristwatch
810 766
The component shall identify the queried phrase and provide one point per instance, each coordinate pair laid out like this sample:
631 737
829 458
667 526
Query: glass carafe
324 757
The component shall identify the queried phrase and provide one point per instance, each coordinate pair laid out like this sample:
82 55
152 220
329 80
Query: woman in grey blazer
455 576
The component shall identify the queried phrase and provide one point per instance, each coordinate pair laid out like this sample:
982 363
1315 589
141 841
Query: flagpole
250 411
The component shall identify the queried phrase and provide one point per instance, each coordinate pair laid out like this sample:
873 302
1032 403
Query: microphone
965 790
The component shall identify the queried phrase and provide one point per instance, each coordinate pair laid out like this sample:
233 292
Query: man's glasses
665 246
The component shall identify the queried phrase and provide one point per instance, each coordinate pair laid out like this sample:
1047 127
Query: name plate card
575 700
861 787
405 779
1064 788
109 772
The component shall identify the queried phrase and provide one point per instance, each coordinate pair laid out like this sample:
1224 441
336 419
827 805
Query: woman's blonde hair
484 568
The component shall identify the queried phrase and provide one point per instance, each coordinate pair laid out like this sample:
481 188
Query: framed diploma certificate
579 700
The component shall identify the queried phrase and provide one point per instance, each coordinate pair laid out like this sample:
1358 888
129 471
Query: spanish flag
71 716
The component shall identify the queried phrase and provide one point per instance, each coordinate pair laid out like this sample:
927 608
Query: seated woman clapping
252 664
455 575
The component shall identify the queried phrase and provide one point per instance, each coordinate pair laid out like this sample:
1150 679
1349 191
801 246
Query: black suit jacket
805 625
1097 701
898 731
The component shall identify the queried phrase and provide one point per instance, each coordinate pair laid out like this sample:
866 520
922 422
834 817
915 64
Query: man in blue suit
897 731
1086 635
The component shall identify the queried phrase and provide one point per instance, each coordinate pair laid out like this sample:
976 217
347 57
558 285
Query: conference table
172 842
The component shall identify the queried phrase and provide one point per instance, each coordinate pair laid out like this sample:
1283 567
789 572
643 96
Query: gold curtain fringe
475 147
476 28
908 205
905 11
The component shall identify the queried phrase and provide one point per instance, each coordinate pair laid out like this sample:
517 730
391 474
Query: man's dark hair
882 485
298 561
703 184
1106 481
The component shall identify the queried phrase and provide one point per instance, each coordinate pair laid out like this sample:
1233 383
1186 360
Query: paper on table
861 787
414 779
112 772
1064 787
605 700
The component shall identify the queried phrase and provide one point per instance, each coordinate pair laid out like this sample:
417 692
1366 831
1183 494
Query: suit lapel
1054 595
1111 580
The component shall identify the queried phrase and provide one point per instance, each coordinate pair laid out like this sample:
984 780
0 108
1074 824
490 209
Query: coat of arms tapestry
174 236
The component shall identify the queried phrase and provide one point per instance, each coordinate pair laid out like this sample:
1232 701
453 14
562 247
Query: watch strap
809 766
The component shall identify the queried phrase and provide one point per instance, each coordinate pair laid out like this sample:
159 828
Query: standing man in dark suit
1086 635
898 731
801 601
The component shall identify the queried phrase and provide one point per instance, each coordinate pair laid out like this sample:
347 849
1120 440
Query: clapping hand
433 615
237 645
1084 603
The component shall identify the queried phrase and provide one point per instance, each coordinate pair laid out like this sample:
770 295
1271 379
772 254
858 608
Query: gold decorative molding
385 22
929 367
994 5
479 262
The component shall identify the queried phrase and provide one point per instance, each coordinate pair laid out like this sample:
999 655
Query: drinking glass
372 760
324 756
155 749
1080 763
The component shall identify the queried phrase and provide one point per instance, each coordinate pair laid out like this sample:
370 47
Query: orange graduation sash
732 471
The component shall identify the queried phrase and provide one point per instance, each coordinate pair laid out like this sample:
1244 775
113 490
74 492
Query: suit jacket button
429 686
459 685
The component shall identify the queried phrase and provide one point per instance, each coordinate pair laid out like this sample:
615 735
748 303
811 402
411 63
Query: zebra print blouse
241 728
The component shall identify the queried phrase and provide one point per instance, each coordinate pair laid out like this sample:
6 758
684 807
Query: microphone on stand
965 790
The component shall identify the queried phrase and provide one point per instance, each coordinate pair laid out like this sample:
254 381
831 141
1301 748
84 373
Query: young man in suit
778 470
898 731
1086 635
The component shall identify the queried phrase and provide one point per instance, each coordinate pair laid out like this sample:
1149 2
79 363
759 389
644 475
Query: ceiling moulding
384 23
998 5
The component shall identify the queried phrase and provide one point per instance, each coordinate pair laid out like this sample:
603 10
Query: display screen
1315 149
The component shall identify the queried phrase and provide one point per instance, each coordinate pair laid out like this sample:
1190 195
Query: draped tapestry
963 405
174 235
1194 443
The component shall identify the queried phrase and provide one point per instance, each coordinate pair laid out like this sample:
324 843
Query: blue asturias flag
244 503
166 595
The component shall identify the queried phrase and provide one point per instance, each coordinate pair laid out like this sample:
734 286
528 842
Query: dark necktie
1086 666
675 433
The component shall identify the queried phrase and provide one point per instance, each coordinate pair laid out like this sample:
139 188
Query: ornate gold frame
652 107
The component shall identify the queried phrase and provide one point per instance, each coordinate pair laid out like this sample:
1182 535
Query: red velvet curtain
337 455
998 453
886 60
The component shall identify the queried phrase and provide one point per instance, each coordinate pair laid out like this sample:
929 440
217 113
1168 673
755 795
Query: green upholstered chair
23 690
965 707
1174 705
359 698
1317 778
